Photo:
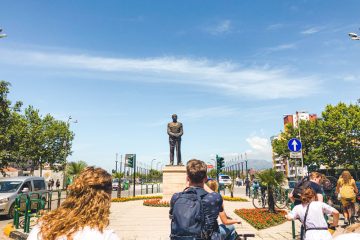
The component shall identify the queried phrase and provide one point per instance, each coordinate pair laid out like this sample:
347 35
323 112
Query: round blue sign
294 145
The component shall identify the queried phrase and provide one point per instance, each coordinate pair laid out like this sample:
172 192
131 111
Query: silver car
10 188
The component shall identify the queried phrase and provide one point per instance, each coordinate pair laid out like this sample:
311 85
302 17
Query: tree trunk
271 201
119 189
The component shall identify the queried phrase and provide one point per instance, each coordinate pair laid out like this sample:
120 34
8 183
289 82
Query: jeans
227 232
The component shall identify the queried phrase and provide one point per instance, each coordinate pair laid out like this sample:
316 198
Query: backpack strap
201 193
306 213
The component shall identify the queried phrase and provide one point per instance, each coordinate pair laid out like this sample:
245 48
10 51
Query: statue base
174 180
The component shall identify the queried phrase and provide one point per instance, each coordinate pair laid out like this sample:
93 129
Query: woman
311 213
346 186
84 214
227 229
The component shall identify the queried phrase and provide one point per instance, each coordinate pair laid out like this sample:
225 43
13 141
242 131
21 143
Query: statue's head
174 117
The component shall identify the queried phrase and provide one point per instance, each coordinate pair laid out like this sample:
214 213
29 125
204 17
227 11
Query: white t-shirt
314 219
85 234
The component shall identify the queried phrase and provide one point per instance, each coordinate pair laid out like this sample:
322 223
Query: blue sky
230 70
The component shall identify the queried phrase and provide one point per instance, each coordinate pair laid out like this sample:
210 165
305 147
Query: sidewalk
133 221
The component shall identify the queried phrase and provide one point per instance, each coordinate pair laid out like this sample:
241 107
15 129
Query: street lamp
152 163
65 147
157 164
2 35
354 36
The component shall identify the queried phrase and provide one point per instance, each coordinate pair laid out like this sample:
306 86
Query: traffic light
219 163
130 161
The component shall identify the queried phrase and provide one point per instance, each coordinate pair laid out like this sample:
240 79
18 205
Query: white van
12 187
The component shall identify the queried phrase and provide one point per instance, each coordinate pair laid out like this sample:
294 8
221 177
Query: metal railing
30 204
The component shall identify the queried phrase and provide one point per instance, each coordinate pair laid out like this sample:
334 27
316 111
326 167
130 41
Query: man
175 131
184 205
314 184
247 187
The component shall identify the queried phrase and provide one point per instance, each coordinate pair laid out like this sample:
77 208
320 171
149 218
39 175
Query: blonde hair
346 176
87 204
213 185
196 170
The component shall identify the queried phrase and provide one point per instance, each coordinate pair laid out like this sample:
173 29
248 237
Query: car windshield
115 180
225 177
9 186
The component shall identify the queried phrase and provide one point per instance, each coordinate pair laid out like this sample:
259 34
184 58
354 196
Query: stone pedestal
174 180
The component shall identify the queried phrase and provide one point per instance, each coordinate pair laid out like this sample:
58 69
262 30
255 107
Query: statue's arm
181 130
169 132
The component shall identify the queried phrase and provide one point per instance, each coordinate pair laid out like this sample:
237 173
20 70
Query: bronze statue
175 131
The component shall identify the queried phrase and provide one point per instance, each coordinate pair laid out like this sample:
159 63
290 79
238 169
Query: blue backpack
187 215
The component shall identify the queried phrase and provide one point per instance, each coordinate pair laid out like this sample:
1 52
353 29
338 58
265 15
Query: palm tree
74 168
271 179
118 175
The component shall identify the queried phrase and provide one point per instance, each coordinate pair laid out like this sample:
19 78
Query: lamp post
152 163
2 35
65 147
157 164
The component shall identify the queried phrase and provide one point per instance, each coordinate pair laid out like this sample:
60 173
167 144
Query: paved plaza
133 221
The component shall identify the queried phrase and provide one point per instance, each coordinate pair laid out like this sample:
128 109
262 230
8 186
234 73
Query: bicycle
281 198
259 201
350 208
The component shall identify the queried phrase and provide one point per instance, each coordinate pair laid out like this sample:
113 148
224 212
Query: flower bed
156 203
126 199
234 199
261 218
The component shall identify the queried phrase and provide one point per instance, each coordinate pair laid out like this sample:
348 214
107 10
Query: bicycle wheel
257 202
281 200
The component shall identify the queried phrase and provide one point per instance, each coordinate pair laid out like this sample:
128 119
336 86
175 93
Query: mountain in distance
259 164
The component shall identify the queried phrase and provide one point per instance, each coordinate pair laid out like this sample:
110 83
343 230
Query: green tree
341 136
271 179
8 129
119 176
73 169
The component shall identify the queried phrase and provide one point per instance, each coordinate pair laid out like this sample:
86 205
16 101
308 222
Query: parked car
11 188
115 184
224 180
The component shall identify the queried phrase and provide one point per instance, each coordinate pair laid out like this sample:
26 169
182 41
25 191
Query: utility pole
116 162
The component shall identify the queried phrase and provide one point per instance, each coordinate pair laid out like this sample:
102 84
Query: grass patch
261 218
234 199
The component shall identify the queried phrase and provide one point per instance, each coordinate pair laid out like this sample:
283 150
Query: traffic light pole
134 166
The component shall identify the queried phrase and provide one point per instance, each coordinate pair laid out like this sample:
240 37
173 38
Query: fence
30 204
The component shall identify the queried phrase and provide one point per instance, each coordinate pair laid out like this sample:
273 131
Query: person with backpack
311 214
347 189
313 182
194 211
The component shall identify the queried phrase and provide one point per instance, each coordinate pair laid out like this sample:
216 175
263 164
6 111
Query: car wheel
11 211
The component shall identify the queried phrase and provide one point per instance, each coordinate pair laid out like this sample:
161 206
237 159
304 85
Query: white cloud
351 78
221 28
310 31
226 76
209 112
260 148
284 47
274 27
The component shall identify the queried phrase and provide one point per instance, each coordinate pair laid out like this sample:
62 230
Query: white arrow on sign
294 143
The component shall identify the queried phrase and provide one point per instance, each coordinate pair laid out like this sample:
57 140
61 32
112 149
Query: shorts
346 201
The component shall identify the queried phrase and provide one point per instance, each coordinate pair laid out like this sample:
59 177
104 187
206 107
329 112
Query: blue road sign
294 145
